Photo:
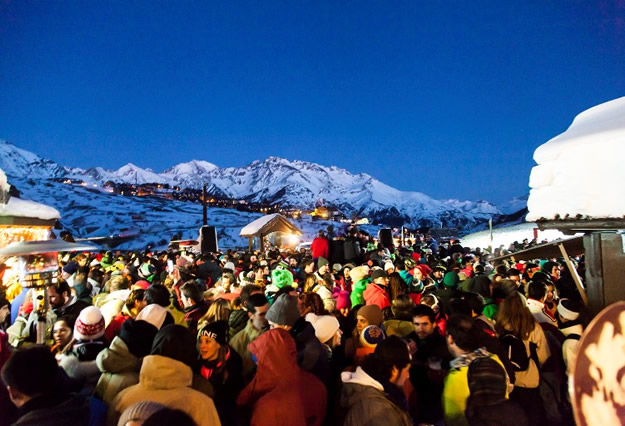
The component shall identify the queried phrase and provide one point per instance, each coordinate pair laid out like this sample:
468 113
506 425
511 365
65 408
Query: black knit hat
217 330
176 342
487 379
138 336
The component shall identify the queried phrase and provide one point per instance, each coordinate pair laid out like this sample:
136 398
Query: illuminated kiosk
37 264
269 224
23 220
577 187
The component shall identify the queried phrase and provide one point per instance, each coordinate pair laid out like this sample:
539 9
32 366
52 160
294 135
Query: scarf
208 369
466 359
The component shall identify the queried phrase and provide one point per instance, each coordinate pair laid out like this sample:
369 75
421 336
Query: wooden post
262 243
574 274
251 246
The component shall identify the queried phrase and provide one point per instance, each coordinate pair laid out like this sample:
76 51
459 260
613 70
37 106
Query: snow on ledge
580 173
25 208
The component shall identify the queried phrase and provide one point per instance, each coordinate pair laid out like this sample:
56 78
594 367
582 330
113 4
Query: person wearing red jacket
376 293
282 393
320 247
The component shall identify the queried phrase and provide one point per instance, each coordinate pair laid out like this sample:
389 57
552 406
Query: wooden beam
573 271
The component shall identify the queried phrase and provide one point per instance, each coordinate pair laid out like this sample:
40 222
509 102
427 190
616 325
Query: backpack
517 353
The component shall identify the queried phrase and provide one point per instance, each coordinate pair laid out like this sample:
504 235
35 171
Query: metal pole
204 211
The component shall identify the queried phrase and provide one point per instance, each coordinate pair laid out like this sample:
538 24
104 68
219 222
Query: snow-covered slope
279 181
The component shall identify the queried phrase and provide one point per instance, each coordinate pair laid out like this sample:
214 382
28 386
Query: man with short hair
536 292
373 393
376 293
257 307
31 377
193 303
463 343
429 364
239 317
63 302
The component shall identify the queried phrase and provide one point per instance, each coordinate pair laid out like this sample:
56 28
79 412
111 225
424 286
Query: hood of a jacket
358 384
161 372
276 354
117 358
176 342
373 291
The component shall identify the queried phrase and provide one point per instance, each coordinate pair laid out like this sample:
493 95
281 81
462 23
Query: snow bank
579 173
26 208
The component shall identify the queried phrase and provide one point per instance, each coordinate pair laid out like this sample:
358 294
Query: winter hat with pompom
89 325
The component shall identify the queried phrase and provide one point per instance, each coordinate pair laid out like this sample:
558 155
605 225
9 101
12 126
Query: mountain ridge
290 183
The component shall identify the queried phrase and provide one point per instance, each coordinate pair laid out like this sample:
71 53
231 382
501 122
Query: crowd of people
346 333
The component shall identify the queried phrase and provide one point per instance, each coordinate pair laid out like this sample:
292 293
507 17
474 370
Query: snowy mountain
278 181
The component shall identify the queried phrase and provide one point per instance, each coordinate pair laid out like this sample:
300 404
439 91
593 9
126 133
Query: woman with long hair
396 286
515 321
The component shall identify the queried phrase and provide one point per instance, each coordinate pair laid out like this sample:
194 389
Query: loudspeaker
208 239
385 237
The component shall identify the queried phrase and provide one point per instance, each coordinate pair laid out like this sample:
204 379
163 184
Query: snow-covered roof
579 173
267 224
25 208
507 235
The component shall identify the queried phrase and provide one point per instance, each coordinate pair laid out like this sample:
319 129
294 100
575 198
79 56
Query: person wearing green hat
449 290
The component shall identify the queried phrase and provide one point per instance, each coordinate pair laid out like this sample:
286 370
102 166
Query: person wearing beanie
570 320
121 361
449 290
369 339
221 366
166 377
373 394
487 402
156 315
360 280
327 329
464 345
311 355
88 341
376 293
282 278
365 316
282 392
343 302
139 413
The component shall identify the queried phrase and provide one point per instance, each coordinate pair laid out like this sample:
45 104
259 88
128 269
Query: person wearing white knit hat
327 329
88 343
571 326
156 315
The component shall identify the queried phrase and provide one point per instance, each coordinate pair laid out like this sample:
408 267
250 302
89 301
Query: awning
574 246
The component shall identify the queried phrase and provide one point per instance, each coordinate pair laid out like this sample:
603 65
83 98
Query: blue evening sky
447 98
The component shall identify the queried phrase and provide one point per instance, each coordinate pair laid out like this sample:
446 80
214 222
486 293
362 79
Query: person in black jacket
32 379
221 365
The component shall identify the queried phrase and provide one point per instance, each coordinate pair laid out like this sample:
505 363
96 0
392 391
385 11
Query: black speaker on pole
385 237
208 239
